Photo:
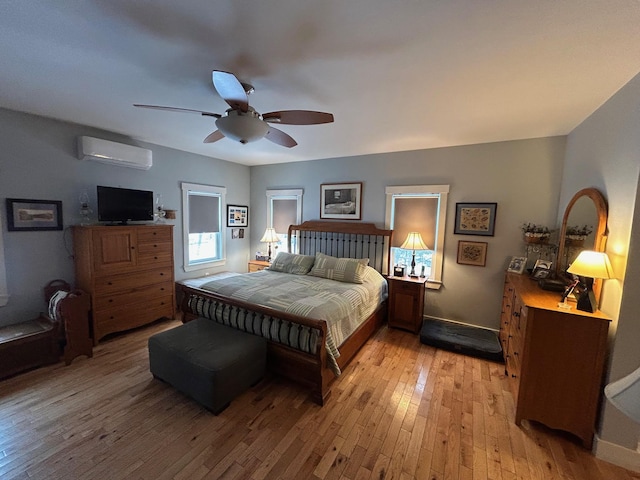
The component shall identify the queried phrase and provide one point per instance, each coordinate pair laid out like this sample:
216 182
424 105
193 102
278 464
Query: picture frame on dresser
517 265
475 219
33 215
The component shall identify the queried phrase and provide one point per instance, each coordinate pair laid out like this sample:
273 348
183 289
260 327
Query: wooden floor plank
402 410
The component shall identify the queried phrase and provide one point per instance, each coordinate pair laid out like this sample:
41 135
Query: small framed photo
543 264
517 264
235 233
342 201
472 253
237 216
540 272
475 219
31 215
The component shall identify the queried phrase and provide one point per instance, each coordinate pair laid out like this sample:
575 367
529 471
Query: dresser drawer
158 258
125 318
132 296
117 283
154 234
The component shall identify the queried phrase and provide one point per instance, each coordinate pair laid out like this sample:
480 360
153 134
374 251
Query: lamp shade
414 242
592 265
624 394
270 236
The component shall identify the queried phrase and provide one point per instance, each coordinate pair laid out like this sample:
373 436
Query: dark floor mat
477 342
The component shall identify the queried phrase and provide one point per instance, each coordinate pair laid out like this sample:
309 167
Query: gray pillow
292 263
348 270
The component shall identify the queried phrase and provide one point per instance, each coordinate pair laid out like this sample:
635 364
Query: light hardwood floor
401 410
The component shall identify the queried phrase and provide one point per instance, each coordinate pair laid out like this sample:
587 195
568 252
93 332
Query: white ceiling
397 75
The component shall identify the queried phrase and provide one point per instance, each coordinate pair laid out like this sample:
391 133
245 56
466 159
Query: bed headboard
340 239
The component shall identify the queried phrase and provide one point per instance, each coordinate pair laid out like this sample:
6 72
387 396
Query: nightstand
406 302
257 265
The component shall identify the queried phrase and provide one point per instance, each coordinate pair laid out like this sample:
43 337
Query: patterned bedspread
344 306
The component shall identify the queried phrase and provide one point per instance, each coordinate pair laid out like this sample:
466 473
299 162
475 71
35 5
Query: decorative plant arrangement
575 235
534 233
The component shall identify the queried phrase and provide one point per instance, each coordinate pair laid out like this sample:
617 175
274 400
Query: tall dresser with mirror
554 356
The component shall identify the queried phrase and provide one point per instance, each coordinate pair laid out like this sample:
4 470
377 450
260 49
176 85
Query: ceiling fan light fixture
242 127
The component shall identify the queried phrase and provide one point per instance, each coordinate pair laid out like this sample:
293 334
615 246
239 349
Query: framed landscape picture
475 219
342 201
30 215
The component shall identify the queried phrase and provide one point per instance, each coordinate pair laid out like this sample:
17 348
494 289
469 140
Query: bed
302 345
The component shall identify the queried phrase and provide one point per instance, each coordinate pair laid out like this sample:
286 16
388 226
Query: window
421 208
202 226
284 208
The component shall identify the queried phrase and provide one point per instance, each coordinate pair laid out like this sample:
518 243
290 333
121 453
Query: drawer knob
162 274
513 375
155 258
111 300
109 283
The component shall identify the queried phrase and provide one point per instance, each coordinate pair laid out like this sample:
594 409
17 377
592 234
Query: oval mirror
587 208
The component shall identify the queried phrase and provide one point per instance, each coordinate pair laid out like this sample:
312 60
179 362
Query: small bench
209 362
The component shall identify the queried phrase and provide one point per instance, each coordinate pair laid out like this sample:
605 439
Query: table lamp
414 242
270 236
590 265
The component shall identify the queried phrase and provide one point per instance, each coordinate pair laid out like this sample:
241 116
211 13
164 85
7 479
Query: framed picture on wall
475 219
472 253
237 216
31 215
341 201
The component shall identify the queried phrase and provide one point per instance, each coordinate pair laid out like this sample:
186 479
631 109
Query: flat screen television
123 205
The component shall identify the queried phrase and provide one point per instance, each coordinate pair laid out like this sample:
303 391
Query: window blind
415 214
204 212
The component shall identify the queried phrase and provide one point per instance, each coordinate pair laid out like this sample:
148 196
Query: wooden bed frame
339 239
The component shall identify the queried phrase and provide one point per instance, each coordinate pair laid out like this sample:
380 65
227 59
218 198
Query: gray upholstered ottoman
211 363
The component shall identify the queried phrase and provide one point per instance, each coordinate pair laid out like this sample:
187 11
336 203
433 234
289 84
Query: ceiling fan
242 122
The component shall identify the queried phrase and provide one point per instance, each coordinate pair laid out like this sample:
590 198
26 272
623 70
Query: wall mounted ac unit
104 151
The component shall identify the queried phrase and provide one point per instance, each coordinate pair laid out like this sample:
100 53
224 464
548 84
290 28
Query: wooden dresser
554 358
128 270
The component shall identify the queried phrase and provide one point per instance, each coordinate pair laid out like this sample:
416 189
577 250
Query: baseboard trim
616 454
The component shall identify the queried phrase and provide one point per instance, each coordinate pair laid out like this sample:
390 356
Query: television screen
123 205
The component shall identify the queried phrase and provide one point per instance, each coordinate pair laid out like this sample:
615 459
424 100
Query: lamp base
587 301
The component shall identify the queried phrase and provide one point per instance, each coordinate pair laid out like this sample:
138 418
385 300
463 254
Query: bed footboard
296 345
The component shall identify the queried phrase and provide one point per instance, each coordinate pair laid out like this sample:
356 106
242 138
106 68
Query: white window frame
437 260
209 190
284 194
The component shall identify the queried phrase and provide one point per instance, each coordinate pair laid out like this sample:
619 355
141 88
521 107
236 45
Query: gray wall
523 177
604 152
38 161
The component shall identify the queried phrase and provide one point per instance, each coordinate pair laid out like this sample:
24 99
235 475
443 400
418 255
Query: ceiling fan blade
230 89
281 138
214 137
298 117
176 109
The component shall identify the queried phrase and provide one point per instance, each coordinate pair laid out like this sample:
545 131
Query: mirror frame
600 231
